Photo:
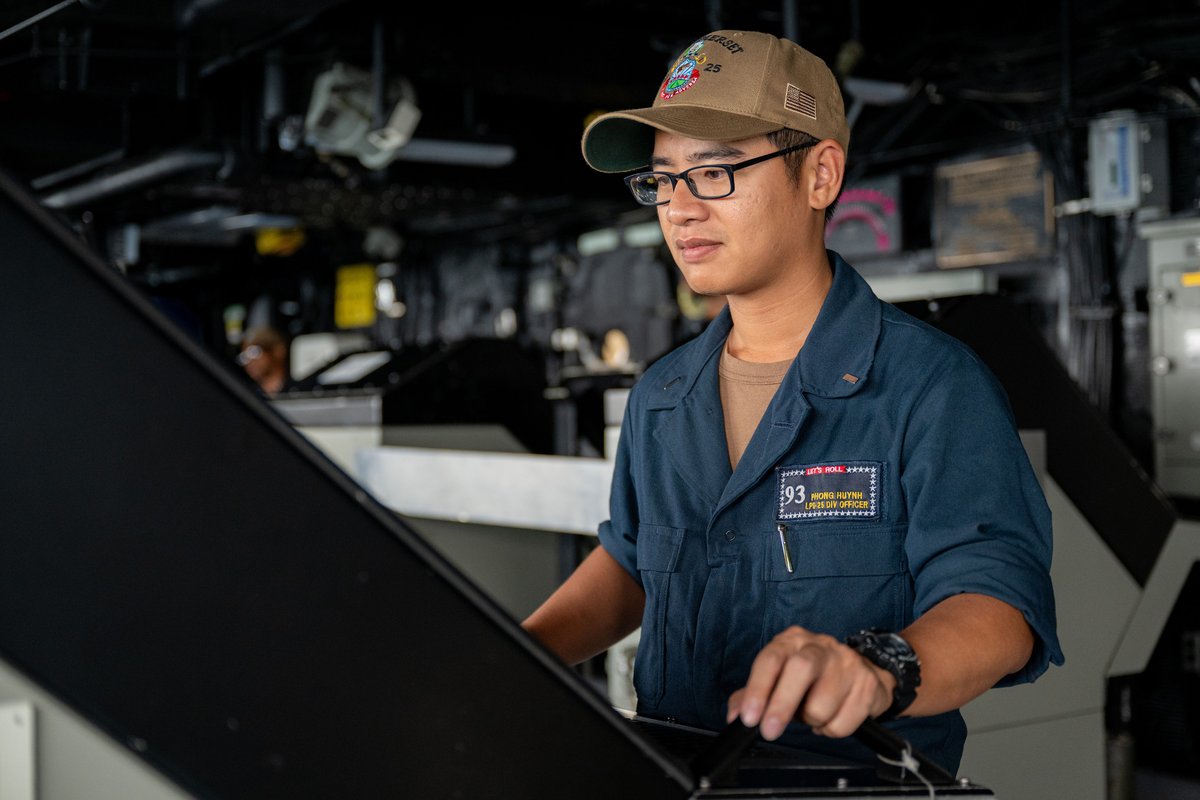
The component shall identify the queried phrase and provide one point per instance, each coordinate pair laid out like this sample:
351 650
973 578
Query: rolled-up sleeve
978 520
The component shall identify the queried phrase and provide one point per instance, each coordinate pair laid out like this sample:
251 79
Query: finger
797 676
846 678
764 672
735 704
841 718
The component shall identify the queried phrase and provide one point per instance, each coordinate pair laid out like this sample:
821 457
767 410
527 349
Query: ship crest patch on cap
685 72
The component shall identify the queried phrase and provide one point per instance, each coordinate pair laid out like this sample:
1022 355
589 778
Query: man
264 356
820 504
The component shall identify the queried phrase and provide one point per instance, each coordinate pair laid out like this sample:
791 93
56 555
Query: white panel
1060 759
553 493
16 752
927 285
342 444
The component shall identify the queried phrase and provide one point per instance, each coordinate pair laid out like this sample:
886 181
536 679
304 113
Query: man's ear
827 168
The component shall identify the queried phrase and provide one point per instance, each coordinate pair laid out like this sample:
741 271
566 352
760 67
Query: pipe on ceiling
133 177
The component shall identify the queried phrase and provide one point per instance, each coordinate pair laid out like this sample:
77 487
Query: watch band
891 652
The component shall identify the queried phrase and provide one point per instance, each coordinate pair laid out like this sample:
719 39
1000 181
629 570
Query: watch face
896 646
885 647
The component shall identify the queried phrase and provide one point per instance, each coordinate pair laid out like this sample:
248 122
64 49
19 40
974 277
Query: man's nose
684 205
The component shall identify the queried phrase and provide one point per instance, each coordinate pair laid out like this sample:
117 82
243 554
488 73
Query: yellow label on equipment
278 241
1190 279
354 300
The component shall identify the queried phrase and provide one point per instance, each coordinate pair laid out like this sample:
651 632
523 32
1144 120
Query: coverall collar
831 363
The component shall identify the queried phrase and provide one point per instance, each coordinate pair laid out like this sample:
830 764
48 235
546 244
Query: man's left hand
813 678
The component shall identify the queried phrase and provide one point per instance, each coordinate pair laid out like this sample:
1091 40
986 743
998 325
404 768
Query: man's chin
708 288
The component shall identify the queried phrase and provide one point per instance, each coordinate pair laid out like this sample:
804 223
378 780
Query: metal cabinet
1174 295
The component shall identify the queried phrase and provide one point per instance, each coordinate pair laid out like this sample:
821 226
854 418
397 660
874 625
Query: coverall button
730 535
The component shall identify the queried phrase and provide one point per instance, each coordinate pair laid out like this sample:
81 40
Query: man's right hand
812 678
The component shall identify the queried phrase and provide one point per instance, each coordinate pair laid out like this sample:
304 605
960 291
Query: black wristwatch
890 651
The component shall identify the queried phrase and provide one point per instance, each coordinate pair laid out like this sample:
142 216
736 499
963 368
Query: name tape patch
839 490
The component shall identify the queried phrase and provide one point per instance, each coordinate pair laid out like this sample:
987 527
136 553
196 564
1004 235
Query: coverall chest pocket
658 549
843 579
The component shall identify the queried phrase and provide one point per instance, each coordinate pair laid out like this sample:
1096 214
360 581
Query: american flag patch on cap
800 101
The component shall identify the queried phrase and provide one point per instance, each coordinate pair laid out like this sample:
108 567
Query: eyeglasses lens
706 183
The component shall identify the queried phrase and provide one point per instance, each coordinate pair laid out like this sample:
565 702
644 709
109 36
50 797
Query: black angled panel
185 570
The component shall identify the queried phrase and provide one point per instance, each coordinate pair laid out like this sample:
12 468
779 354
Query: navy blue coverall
890 457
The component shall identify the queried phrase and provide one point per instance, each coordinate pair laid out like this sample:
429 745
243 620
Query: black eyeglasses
707 181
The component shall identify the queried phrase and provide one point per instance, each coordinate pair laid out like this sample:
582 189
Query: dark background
138 77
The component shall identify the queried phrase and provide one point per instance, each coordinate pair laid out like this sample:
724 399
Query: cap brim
621 141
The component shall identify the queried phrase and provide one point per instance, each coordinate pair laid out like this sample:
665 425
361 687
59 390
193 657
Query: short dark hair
787 137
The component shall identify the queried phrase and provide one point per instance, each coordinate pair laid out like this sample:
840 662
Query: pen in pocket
787 553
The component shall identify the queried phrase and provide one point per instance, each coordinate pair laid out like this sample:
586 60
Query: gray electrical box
1128 164
1174 294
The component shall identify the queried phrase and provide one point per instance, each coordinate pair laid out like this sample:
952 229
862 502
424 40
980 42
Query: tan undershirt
746 391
